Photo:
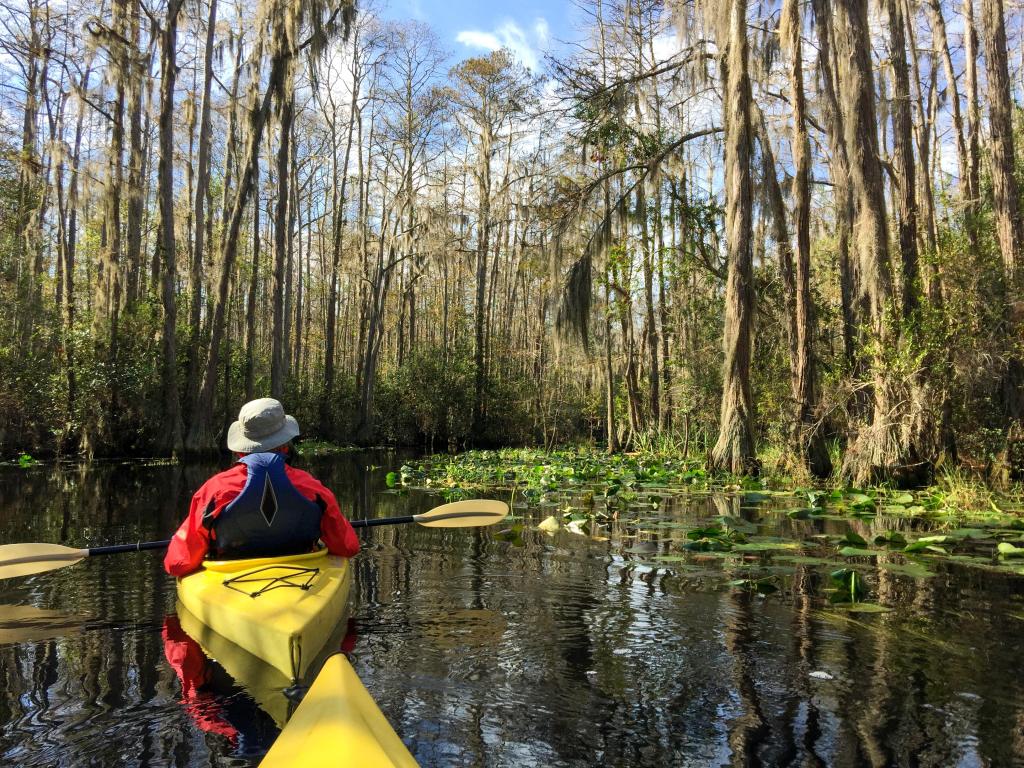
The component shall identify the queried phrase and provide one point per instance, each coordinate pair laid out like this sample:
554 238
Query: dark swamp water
514 647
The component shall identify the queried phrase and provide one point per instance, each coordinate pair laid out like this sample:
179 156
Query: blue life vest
269 517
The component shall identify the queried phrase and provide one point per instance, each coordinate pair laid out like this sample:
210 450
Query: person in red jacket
262 506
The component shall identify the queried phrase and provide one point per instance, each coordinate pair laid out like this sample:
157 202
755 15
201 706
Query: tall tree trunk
611 425
920 438
31 187
941 440
72 244
927 232
96 436
108 277
199 329
735 449
941 43
171 434
136 165
810 440
483 239
971 55
840 172
202 428
1005 194
254 282
300 299
339 200
286 114
294 201
202 188
905 190
650 323
1009 224
787 271
879 451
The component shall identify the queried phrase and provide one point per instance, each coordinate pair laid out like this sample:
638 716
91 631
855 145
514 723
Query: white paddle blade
471 513
26 559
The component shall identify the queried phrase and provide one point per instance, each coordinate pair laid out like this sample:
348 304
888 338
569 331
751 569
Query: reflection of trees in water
748 731
60 695
872 719
551 650
803 704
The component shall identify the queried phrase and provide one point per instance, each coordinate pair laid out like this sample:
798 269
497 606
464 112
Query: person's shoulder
228 478
297 475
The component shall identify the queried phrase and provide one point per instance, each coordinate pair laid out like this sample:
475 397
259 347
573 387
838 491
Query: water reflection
510 647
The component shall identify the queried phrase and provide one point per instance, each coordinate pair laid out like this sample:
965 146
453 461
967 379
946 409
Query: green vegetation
412 249
748 534
542 475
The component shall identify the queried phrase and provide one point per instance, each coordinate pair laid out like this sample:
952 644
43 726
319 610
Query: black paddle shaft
369 523
116 549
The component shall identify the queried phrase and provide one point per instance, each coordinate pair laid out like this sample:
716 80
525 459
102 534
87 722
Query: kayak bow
338 725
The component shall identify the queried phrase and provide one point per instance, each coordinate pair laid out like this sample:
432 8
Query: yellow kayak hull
279 609
338 725
263 682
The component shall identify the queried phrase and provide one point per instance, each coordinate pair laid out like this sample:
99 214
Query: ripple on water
518 649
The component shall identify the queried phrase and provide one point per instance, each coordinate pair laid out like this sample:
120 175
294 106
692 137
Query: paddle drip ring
293 578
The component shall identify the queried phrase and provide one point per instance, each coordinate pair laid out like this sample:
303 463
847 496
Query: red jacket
191 542
188 660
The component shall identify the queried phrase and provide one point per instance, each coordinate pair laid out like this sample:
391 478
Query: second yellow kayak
338 725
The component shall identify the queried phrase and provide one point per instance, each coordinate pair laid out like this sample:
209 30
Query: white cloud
476 39
527 48
542 31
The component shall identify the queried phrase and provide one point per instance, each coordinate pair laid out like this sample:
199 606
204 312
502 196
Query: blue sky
530 28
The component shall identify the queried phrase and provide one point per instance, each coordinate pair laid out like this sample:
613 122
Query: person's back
262 506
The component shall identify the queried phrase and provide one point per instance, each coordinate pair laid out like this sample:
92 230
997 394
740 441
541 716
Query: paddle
26 559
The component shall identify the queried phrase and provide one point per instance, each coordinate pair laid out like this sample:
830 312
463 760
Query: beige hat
262 426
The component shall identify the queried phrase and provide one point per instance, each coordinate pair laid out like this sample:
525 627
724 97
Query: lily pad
929 543
854 539
857 552
760 586
1006 549
858 498
706 544
968 533
765 546
892 538
736 524
549 524
861 607
804 560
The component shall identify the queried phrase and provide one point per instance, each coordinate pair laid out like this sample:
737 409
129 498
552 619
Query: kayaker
262 506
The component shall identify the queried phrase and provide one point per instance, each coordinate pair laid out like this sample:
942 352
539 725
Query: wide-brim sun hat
262 426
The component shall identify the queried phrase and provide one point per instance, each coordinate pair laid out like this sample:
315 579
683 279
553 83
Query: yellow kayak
338 725
280 609
263 682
